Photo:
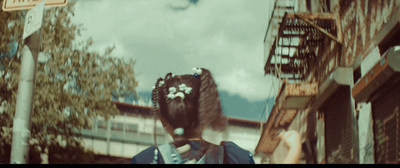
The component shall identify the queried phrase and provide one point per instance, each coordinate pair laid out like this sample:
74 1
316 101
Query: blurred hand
291 138
293 142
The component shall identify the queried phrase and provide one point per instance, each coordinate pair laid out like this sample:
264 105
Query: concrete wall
119 149
366 134
361 22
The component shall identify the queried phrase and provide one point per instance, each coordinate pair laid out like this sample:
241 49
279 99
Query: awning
291 99
341 77
387 68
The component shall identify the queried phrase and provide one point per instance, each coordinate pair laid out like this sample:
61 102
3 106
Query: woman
186 105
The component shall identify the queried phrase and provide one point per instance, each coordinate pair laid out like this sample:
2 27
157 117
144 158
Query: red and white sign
13 5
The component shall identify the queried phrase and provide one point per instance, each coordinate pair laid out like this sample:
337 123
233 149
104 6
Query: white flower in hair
188 90
171 96
161 83
172 89
182 87
197 71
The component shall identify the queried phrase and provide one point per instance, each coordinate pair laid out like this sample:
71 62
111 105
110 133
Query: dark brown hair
198 110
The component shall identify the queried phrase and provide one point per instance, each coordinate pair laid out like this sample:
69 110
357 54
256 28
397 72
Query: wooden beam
313 16
339 33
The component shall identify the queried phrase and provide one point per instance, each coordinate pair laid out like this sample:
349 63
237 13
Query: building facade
339 62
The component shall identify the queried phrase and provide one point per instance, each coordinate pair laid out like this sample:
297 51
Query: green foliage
72 87
58 154
75 154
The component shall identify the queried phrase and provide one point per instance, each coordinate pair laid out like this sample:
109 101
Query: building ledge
291 99
386 68
119 136
341 77
297 96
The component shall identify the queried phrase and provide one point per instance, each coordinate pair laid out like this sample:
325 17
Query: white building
131 132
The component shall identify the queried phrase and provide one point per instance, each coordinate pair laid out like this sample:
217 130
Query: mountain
239 107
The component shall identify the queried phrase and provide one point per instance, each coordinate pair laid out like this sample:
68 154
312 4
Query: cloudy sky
224 36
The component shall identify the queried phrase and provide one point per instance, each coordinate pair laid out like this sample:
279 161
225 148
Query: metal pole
108 136
22 118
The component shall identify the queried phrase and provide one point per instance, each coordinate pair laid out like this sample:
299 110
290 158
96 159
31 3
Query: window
327 6
357 74
390 40
308 4
117 126
101 124
132 128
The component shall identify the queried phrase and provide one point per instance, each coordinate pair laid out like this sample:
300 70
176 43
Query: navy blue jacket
232 154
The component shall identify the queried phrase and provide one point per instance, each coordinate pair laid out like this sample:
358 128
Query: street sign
33 20
13 5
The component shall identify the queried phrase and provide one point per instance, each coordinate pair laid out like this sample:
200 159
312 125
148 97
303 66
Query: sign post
13 5
24 106
30 52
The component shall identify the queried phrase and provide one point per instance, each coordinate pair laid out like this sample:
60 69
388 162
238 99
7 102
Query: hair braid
155 97
210 110
155 111
179 139
168 76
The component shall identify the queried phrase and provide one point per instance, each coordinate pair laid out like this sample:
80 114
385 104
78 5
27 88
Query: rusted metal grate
385 112
340 142
294 49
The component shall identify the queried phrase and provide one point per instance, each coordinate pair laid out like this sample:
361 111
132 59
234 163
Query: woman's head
190 102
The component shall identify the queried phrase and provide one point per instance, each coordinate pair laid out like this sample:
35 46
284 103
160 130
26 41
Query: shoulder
144 157
234 154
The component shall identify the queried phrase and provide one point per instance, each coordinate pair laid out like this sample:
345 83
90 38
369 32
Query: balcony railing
295 48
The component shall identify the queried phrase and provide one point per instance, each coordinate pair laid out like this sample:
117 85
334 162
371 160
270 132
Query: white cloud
248 85
225 36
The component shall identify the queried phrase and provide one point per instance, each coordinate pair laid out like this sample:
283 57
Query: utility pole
30 52
26 85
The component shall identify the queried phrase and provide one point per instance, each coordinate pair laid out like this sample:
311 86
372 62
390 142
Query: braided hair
196 111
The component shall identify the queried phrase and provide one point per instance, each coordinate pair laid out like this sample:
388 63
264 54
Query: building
339 65
125 135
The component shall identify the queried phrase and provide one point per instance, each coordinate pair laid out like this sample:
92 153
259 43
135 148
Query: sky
224 36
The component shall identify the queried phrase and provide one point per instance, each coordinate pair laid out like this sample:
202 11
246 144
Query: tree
73 85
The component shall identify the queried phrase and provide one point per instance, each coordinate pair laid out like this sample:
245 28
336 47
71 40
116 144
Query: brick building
339 65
